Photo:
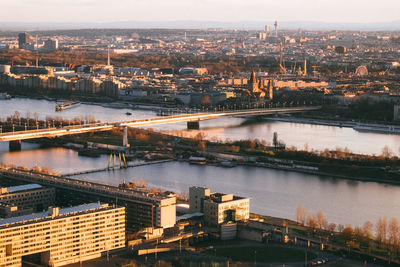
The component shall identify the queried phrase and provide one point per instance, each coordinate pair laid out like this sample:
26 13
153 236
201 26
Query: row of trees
386 235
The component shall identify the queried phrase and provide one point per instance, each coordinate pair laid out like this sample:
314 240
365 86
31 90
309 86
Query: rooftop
24 187
44 215
222 198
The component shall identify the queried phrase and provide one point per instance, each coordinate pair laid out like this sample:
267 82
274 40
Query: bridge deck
96 127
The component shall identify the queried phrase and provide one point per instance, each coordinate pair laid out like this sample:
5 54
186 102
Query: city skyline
90 11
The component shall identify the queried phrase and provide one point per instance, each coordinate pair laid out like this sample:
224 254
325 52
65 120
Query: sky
354 11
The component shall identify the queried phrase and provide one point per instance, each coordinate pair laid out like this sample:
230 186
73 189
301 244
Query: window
9 250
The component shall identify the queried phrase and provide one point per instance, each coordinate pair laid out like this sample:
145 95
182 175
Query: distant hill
189 24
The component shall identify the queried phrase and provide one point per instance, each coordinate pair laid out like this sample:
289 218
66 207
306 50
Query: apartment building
62 236
26 198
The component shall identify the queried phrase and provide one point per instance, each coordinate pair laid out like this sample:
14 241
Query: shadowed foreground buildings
25 199
62 236
143 209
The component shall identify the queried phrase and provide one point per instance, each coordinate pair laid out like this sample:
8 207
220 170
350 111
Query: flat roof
24 187
45 214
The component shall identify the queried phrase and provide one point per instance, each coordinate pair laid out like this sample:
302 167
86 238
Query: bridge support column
193 125
15 145
125 142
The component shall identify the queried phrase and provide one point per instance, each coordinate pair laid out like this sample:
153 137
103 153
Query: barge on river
67 105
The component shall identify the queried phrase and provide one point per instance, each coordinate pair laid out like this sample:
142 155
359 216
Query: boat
197 160
4 96
67 105
128 113
377 128
227 164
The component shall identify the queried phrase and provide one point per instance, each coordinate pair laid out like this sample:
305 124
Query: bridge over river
192 120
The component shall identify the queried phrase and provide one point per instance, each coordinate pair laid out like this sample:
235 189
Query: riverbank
150 145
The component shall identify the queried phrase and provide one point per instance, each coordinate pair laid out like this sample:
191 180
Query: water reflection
317 137
273 192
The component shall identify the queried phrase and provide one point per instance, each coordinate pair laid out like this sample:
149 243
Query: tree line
385 234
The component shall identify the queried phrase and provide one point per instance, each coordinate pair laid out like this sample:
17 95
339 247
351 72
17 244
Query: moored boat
67 105
4 96
378 128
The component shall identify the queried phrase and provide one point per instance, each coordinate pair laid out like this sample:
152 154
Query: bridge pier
193 125
125 142
14 145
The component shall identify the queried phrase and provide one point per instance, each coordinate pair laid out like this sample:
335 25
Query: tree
367 230
331 227
358 233
348 232
312 221
322 222
301 214
16 114
306 147
393 233
387 152
381 229
35 116
202 146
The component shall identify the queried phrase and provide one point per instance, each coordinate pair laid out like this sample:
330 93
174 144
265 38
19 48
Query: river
272 192
316 137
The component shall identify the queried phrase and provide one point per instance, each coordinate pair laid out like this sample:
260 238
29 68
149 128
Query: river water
272 192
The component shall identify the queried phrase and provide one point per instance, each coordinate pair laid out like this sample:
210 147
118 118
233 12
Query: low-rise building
222 208
218 208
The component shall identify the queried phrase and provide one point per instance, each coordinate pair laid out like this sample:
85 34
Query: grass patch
262 254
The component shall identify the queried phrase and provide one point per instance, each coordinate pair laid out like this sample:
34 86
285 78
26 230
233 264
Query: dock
138 164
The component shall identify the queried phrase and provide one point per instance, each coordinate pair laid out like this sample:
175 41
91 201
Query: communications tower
276 28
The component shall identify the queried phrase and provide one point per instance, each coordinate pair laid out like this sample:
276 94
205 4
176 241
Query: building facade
223 208
62 236
29 198
218 208
197 194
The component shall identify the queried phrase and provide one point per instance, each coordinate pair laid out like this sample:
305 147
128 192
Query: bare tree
312 221
393 233
358 233
142 183
306 147
367 230
331 227
387 152
381 230
301 214
322 222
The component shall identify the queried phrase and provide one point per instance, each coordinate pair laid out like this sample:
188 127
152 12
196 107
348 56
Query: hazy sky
211 10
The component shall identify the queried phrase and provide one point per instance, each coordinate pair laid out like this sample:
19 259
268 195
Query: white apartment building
62 236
